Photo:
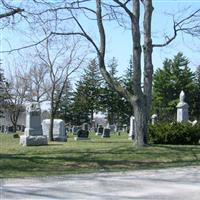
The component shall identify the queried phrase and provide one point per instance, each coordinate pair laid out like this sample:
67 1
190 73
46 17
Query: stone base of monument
60 138
33 140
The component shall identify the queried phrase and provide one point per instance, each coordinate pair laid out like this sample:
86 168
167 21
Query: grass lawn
96 155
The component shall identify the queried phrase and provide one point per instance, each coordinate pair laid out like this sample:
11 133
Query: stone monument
154 118
75 129
106 133
85 127
99 130
124 128
132 128
59 131
182 109
33 134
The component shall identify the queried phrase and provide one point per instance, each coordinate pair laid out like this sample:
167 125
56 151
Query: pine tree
128 84
197 94
169 82
127 80
87 94
111 101
3 92
65 109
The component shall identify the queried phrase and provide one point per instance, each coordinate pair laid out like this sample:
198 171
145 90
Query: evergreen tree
168 83
197 94
65 109
87 95
128 76
3 92
111 101
128 84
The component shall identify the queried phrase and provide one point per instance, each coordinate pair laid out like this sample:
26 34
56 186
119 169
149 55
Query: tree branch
28 46
179 26
11 13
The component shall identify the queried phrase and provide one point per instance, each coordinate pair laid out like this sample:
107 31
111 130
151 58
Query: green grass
96 155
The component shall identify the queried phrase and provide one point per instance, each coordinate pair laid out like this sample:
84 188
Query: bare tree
61 59
38 85
17 93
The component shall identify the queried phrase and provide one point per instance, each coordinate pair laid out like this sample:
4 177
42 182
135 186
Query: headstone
113 128
124 128
132 128
106 133
93 124
59 131
182 109
154 118
194 122
82 135
85 126
75 129
33 135
99 130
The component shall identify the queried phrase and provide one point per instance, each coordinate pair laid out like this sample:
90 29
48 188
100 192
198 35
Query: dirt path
170 184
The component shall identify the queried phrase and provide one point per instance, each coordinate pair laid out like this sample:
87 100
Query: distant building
7 126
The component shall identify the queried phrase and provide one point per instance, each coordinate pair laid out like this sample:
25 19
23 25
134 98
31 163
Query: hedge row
174 133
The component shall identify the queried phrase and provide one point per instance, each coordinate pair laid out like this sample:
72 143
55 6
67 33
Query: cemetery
93 88
81 150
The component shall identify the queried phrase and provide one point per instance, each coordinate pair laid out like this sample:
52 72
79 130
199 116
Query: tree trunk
148 66
140 123
137 99
51 127
15 127
51 121
92 115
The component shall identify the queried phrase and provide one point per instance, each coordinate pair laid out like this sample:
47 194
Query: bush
174 133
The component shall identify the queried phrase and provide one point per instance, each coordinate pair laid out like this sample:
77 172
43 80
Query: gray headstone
99 130
106 133
124 128
82 135
33 134
113 128
85 126
75 129
59 131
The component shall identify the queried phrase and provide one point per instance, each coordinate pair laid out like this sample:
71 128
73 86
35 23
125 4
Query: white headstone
132 127
59 131
33 134
153 119
182 109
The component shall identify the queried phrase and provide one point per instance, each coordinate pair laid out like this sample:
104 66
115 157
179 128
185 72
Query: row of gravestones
82 132
37 134
33 134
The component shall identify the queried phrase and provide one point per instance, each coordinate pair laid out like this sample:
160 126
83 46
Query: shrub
174 133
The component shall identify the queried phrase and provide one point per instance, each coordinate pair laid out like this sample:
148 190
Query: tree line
91 93
47 21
